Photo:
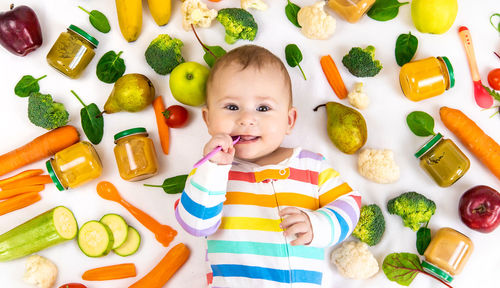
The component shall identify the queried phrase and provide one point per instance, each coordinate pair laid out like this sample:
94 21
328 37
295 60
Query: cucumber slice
131 245
95 239
50 228
118 226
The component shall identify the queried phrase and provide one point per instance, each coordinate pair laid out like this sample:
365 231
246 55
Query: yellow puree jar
447 254
426 78
72 52
135 154
351 10
74 166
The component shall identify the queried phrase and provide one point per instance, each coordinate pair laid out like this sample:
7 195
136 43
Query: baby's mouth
246 138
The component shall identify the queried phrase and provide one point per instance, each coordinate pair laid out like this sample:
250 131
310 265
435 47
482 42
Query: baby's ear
204 114
292 118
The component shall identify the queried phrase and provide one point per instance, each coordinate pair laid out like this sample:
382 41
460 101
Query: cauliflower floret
358 98
40 272
354 260
253 4
196 13
315 22
378 166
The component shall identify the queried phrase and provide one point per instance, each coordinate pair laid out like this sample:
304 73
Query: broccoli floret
164 54
414 208
45 113
371 225
361 62
239 24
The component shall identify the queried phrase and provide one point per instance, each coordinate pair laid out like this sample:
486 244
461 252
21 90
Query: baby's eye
231 107
263 108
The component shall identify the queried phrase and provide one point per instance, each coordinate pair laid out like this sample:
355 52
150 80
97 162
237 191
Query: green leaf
493 93
294 57
423 239
420 123
291 11
384 10
92 121
27 85
98 20
209 58
110 67
172 185
406 46
497 27
401 267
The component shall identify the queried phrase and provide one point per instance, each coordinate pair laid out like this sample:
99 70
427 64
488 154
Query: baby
266 211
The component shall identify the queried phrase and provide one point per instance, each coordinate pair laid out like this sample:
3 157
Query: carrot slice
161 122
18 202
112 272
333 76
34 180
7 193
22 175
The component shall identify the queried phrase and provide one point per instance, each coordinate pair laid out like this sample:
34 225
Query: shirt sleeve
199 210
339 209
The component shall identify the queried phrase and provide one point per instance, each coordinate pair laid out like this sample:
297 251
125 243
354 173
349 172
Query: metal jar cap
138 130
53 175
427 146
84 34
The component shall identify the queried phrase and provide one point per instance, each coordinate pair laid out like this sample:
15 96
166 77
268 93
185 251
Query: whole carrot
112 272
333 76
22 175
34 180
18 202
7 193
163 132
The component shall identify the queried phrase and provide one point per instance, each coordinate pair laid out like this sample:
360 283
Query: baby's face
253 104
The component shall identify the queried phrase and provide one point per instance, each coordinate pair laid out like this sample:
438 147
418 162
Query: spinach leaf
384 10
172 185
110 67
209 57
497 27
27 85
98 20
406 46
401 267
294 56
423 239
420 123
92 121
291 11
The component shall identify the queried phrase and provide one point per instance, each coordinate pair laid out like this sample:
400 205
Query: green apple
188 83
433 16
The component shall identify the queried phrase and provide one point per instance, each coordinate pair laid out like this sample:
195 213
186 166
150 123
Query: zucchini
50 228
131 245
95 239
118 226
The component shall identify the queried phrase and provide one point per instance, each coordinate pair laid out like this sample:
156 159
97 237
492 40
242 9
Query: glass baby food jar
447 254
351 10
443 160
135 154
426 78
74 166
72 52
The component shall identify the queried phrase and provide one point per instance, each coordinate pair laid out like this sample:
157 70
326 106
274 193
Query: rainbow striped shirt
236 207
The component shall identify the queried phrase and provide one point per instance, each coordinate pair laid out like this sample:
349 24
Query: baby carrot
7 193
163 132
112 272
333 76
18 202
22 175
34 180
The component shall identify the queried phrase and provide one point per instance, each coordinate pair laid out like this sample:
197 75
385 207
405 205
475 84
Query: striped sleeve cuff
322 229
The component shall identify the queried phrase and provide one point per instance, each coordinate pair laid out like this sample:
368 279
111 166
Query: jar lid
84 34
434 270
138 130
450 70
427 146
53 175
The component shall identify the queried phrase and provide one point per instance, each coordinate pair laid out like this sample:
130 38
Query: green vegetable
95 239
371 225
420 123
27 85
50 228
294 56
209 58
164 54
291 11
45 113
110 67
406 46
414 208
131 244
92 121
239 24
493 93
172 185
384 10
361 62
118 227
423 239
98 20
497 27
402 267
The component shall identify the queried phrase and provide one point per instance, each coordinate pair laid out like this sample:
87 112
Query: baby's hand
296 222
226 155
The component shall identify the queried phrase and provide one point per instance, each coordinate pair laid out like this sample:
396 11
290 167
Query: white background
385 119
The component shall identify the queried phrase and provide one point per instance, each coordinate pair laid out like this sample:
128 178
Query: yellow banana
160 10
130 18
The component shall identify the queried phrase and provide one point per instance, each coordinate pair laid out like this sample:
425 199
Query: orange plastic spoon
164 233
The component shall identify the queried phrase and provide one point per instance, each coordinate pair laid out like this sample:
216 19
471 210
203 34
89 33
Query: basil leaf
401 267
423 239
384 10
420 123
92 121
172 185
98 20
27 85
497 27
294 56
209 58
406 46
110 67
291 11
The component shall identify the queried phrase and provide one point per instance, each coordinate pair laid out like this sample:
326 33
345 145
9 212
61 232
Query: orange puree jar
426 78
351 10
447 254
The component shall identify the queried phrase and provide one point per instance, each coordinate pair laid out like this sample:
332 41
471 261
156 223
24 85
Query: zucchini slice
131 245
95 239
118 226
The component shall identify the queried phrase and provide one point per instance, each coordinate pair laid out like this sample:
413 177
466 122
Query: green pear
132 93
346 127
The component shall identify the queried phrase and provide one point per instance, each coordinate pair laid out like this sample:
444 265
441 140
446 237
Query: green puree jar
443 160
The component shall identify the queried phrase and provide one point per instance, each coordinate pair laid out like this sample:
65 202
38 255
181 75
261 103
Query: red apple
20 31
479 208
